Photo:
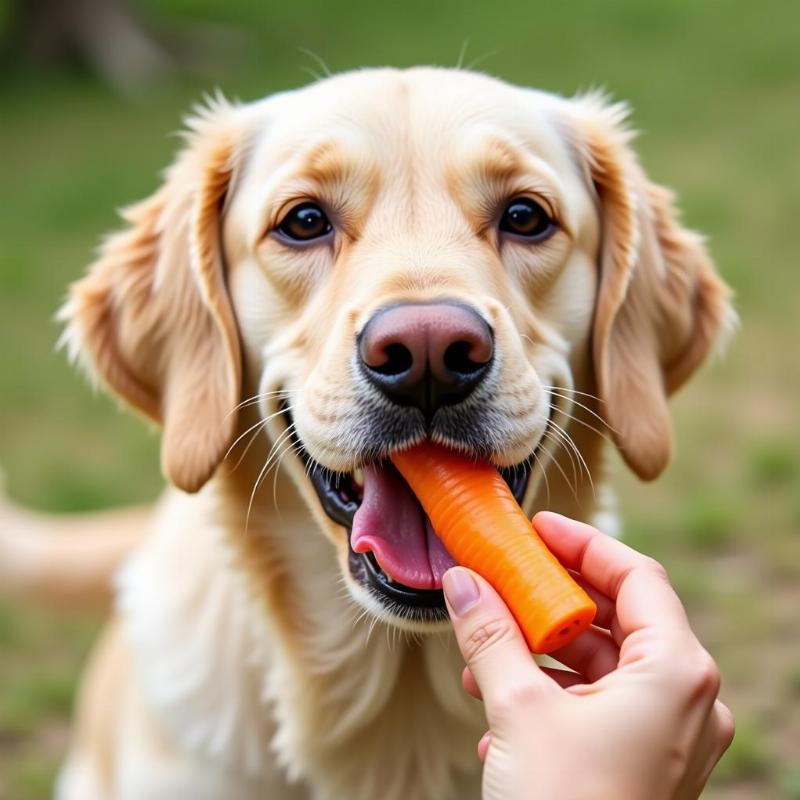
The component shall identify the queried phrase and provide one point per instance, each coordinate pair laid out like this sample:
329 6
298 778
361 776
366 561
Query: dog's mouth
394 553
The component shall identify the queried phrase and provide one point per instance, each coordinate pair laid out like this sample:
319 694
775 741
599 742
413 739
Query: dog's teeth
358 478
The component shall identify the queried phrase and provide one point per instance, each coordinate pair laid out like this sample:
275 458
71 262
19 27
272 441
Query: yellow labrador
325 276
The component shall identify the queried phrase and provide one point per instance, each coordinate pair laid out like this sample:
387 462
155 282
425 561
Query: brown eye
525 217
304 222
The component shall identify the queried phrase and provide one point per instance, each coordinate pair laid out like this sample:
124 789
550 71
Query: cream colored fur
244 661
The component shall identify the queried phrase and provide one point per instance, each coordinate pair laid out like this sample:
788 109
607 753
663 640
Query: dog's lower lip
419 598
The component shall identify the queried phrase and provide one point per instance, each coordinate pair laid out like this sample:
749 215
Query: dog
326 276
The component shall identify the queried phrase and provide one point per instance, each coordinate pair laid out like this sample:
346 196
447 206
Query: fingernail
460 589
483 745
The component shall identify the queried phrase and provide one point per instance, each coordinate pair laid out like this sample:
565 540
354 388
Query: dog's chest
348 711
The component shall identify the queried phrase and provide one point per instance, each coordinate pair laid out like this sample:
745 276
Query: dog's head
391 255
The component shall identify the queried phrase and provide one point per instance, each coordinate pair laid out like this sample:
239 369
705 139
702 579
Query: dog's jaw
299 659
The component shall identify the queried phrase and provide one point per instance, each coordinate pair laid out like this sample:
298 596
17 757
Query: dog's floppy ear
152 318
660 306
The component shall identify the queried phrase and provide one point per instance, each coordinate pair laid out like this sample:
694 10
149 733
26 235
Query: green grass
31 775
793 682
714 87
747 757
775 462
790 783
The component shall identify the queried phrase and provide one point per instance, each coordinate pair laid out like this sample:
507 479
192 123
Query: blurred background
91 92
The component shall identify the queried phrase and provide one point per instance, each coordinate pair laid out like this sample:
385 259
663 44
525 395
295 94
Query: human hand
639 716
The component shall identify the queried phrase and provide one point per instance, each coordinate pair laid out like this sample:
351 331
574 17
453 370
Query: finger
602 561
470 684
639 585
483 745
489 639
606 608
616 631
725 732
716 737
593 654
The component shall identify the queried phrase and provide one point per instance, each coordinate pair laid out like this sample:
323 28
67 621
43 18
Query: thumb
490 640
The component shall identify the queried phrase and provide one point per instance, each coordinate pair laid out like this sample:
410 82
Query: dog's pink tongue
391 523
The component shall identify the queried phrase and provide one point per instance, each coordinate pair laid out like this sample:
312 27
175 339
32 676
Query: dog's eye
304 222
525 217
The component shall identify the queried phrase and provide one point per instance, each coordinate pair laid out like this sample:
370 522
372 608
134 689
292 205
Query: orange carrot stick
474 513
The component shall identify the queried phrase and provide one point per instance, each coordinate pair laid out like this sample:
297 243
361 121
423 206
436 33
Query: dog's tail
66 560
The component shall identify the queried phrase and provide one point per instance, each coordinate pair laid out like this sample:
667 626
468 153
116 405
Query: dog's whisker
572 391
560 445
585 424
278 451
286 433
315 75
480 59
568 443
261 474
253 438
579 455
275 488
462 53
258 425
258 428
372 624
552 432
555 438
585 408
559 393
241 436
293 448
342 585
239 406
544 475
319 60
264 474
309 465
257 398
363 613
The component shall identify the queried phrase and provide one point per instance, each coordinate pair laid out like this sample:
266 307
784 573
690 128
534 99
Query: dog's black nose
426 355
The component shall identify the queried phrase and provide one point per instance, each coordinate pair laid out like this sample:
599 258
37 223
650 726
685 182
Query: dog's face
387 256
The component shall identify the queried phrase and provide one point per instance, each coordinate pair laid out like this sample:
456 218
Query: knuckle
486 636
701 675
708 676
515 698
656 568
726 726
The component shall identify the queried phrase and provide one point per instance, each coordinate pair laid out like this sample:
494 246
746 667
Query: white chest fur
350 710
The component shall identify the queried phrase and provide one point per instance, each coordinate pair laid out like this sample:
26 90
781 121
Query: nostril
426 355
398 360
458 359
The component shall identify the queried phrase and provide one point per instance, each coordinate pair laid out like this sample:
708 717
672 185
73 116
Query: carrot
475 514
